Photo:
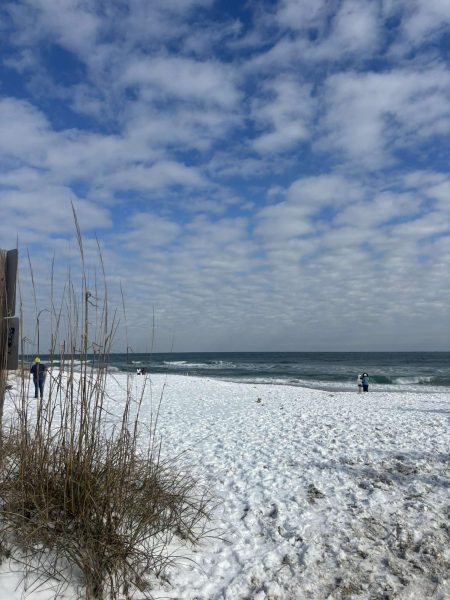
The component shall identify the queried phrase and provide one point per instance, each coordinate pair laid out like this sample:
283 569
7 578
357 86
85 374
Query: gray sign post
9 324
11 277
12 356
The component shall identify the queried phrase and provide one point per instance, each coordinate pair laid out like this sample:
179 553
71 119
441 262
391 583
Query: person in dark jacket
365 382
39 371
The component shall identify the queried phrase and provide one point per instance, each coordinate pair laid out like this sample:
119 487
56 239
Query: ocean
401 371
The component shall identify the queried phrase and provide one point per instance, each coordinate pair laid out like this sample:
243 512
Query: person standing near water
359 383
365 382
39 371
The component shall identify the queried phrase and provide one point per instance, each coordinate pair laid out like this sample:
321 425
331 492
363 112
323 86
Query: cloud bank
271 176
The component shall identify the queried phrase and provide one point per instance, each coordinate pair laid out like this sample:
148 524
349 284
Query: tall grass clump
82 499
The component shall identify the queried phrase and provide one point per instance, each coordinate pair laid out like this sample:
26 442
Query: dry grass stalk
77 495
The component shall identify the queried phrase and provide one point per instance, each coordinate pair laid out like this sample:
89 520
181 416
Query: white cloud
371 115
422 179
305 199
145 23
319 31
47 211
285 110
161 175
236 168
147 230
25 131
206 82
429 225
283 221
380 210
356 28
324 190
440 193
300 15
104 160
186 126
422 18
23 61
28 137
70 23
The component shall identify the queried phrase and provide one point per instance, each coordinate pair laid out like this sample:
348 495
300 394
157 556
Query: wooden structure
9 325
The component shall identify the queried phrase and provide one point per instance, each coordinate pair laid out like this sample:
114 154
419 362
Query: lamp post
23 348
37 323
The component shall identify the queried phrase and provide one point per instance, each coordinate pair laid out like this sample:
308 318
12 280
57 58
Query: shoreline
387 371
373 388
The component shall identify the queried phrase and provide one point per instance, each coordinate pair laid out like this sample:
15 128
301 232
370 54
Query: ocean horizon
402 371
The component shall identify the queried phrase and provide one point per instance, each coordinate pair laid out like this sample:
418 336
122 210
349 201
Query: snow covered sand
322 494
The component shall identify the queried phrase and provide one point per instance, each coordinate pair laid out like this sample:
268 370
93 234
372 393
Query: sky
258 176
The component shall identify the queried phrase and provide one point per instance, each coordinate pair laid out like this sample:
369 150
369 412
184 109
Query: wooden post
9 325
3 335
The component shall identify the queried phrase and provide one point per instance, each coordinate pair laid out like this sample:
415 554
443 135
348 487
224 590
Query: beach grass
80 501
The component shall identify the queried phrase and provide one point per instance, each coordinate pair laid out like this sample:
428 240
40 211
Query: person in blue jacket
365 382
39 372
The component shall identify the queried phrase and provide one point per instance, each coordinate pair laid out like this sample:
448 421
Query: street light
37 323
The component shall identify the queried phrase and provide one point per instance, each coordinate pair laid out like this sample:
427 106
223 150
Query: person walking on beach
365 382
359 383
39 371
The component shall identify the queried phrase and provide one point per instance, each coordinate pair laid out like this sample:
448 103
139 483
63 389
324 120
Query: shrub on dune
79 497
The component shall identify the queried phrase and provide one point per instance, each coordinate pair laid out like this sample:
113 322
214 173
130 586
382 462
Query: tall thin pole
37 325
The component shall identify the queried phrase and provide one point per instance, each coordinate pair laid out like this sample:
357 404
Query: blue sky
263 175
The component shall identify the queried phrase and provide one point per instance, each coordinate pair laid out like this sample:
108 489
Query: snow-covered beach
320 494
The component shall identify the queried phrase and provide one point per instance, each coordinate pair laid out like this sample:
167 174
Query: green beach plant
82 499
